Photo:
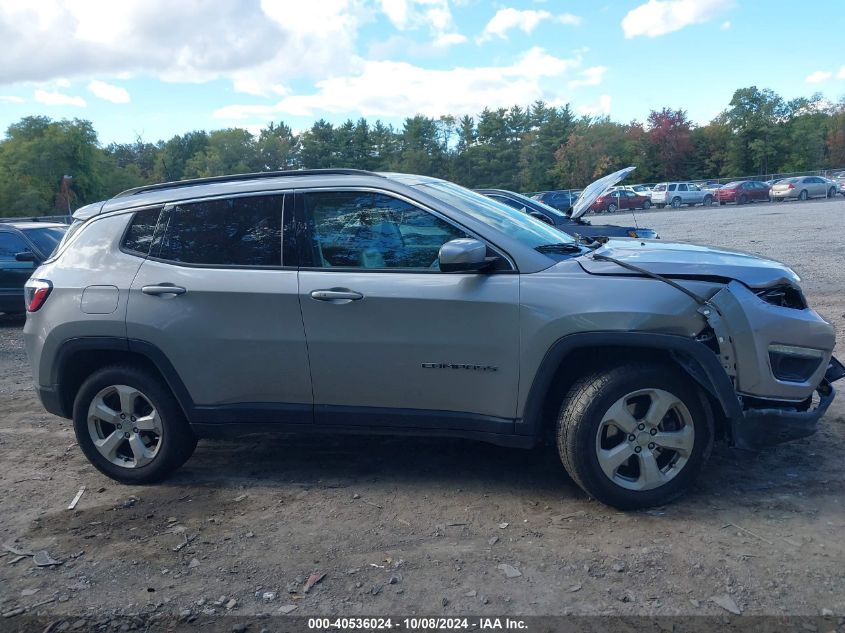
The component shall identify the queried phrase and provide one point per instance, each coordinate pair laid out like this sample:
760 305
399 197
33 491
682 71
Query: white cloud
448 39
592 76
57 98
818 76
267 41
396 89
109 92
841 73
435 15
725 25
525 20
11 99
600 108
659 17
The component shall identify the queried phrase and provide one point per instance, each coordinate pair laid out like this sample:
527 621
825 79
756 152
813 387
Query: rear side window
672 187
11 245
232 232
141 231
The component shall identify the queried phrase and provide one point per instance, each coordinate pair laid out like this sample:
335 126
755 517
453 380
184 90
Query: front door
214 298
391 339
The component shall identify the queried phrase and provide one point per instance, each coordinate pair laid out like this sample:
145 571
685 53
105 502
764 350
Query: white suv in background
680 193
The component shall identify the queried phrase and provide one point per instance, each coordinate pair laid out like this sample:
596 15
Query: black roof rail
251 176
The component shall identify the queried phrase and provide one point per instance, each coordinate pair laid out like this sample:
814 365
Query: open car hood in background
592 191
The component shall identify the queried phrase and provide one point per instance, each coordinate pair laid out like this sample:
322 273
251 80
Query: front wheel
831 193
646 205
611 208
129 425
634 436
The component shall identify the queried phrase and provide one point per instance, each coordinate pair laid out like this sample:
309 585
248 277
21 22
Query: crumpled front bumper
761 427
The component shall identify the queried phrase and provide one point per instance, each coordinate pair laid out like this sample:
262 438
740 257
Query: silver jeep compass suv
348 301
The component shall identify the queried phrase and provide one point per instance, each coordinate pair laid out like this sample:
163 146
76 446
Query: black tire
646 205
722 203
743 199
831 193
676 203
611 208
661 206
708 200
803 195
580 420
176 442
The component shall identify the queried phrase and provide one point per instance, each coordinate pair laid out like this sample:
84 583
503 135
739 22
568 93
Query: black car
562 221
560 200
23 246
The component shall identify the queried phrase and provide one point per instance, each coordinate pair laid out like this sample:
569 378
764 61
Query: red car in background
742 192
620 199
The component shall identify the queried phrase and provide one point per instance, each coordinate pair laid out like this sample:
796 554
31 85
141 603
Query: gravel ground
430 526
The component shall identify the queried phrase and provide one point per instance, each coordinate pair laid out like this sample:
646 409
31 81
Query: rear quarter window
140 233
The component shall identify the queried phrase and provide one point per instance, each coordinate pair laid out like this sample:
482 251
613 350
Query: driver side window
361 229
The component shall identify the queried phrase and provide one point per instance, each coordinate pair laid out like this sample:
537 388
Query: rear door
215 298
392 340
13 274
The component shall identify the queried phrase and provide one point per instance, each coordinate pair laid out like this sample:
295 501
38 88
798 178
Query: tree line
532 148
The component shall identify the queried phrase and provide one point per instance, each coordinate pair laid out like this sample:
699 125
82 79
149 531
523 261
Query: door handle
163 289
336 295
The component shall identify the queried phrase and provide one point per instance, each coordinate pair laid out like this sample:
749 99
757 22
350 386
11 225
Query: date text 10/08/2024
417 624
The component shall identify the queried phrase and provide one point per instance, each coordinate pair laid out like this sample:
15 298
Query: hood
689 261
592 191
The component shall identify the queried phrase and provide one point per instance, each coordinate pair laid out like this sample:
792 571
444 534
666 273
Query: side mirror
540 216
25 256
463 255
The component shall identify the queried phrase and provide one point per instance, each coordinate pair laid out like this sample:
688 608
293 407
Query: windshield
733 185
520 226
46 239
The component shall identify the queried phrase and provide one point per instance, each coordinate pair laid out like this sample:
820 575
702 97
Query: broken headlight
783 296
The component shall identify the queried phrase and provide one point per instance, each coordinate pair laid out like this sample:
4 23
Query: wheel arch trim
699 361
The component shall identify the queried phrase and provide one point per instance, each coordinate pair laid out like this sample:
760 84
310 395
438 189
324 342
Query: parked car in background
802 188
839 179
23 247
620 199
709 185
742 192
560 200
773 181
641 190
678 194
578 227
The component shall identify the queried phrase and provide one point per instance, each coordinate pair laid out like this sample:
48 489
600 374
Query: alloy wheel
124 426
645 439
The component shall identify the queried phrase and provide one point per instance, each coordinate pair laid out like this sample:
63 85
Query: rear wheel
661 206
708 200
676 203
634 436
803 195
130 426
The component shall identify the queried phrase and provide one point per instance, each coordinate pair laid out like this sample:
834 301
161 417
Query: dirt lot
422 526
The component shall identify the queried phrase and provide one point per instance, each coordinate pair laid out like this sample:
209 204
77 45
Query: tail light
35 293
666 196
790 186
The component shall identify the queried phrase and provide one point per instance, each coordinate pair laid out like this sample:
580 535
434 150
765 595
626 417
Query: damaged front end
778 354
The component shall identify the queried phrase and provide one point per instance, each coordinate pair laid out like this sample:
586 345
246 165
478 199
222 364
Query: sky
149 69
